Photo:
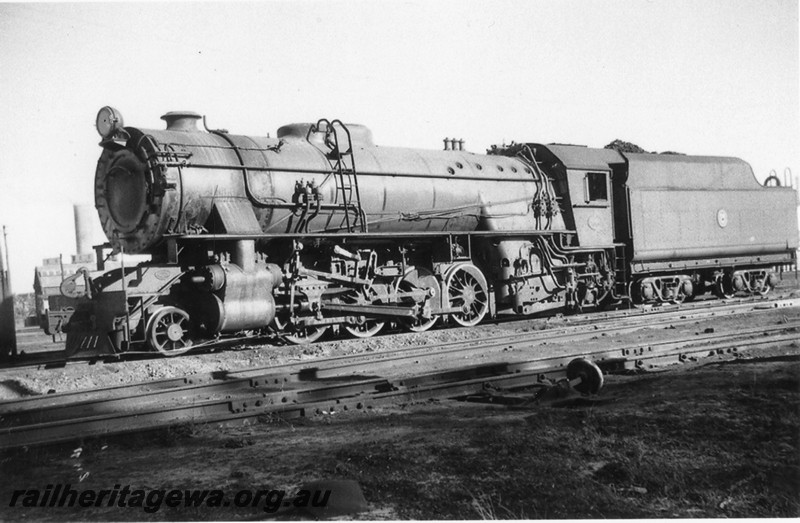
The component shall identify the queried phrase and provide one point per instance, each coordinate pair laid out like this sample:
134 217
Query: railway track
530 340
696 309
351 383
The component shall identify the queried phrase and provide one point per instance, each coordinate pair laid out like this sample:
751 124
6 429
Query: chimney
84 217
8 335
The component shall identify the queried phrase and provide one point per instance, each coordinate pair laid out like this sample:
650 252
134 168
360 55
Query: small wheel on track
590 374
168 331
467 288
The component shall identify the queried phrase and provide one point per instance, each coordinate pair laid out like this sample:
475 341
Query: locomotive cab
584 177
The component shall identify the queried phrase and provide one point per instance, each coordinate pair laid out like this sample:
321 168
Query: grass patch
697 444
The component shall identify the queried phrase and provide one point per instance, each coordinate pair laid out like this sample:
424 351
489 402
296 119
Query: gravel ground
28 381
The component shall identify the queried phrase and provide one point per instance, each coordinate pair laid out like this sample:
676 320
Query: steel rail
528 337
712 306
328 400
293 377
286 373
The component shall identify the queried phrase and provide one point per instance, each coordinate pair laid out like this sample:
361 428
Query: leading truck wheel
467 288
168 331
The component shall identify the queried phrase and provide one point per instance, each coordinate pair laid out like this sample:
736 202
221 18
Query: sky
711 77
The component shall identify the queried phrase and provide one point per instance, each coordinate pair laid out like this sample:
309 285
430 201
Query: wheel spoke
168 331
467 290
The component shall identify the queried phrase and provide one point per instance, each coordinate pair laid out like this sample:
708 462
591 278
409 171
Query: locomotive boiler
319 229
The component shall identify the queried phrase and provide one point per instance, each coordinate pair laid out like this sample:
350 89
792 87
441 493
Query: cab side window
596 187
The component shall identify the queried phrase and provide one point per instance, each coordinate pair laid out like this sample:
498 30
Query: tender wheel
418 278
467 289
370 327
681 293
168 331
634 296
764 286
763 290
723 287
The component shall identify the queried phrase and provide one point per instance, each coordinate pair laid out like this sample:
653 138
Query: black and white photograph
393 260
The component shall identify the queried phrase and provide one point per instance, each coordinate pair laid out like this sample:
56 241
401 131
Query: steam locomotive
319 229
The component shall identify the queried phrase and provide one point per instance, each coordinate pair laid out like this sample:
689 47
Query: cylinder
84 216
246 302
